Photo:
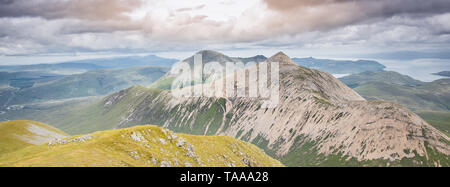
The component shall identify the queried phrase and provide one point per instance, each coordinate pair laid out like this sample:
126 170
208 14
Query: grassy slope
164 83
117 148
411 97
85 115
93 116
439 119
89 117
11 130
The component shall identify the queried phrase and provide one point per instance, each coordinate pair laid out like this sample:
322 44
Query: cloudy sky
338 28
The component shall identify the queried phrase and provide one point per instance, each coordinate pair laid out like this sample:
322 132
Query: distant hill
130 61
340 66
141 146
92 83
388 77
443 73
15 135
81 66
24 79
402 89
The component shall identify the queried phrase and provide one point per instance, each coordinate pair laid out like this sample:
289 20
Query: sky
39 29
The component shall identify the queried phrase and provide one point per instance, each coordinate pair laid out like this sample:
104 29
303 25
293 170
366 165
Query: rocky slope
319 121
15 135
141 146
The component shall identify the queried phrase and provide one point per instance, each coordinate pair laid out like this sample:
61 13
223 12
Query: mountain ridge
140 146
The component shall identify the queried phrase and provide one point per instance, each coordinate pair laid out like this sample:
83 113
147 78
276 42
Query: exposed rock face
318 121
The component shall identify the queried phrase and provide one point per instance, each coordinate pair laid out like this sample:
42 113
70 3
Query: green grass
117 148
12 131
164 83
438 119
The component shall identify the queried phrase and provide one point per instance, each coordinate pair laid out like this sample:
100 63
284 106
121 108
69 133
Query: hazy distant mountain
407 55
340 66
318 122
81 66
95 82
389 77
443 73
214 56
402 89
24 79
130 61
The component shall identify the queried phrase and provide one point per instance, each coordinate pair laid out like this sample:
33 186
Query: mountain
15 135
319 121
140 146
402 89
388 77
443 73
257 59
214 56
82 66
208 56
340 66
91 83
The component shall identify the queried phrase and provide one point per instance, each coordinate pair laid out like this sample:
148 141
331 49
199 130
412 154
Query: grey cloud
55 25
57 9
6 2
345 12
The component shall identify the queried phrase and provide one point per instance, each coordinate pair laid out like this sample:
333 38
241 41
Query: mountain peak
281 58
210 56
209 52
